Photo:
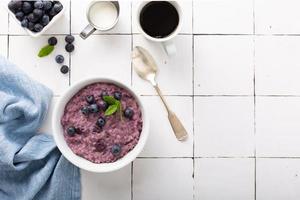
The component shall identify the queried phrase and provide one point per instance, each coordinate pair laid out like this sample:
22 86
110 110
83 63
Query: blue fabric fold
31 167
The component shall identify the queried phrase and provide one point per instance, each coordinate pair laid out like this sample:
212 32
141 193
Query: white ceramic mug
167 43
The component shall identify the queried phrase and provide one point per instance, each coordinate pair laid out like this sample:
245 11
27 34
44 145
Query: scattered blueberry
71 131
101 122
38 13
38 4
103 105
94 108
47 5
90 99
100 146
116 149
70 48
38 27
103 94
128 113
85 110
45 20
117 95
19 15
57 7
64 69
32 18
59 59
24 23
69 39
27 8
52 41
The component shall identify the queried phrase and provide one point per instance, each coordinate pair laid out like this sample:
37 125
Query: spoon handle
178 128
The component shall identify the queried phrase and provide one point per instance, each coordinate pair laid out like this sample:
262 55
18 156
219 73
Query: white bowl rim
79 161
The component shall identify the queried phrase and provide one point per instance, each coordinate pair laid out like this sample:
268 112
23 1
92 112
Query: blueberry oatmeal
102 122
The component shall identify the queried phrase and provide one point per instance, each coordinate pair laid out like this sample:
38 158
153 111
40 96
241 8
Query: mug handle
87 31
169 47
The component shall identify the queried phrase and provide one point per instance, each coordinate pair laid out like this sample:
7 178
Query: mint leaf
110 100
46 50
111 109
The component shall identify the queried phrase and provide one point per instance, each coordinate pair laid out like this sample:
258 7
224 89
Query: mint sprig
114 106
45 51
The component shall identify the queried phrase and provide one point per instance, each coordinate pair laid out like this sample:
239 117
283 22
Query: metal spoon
146 68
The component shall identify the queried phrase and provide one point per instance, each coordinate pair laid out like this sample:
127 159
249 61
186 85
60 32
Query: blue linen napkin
31 167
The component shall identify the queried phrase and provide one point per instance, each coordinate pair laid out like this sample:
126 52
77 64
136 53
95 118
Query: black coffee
159 19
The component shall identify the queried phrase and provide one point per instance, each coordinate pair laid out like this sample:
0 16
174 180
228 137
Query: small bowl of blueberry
100 124
36 16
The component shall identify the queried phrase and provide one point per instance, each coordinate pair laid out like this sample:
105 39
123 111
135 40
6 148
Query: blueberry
69 48
59 59
94 108
103 94
38 13
45 20
57 7
103 105
52 12
128 113
52 41
90 99
100 146
85 110
32 18
15 6
101 122
71 131
47 5
64 69
19 15
118 95
116 149
38 27
69 39
27 8
38 4
24 23
31 26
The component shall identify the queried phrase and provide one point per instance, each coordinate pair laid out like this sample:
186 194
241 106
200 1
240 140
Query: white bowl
53 20
79 161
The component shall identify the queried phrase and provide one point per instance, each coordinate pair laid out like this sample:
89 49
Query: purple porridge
97 128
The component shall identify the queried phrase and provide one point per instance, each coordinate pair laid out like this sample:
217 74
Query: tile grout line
193 96
70 32
254 97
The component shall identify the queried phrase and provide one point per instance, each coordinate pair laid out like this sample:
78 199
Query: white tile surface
102 56
113 186
3 46
225 17
162 141
79 19
3 20
224 178
277 126
277 16
277 65
163 179
187 15
278 179
62 26
174 73
224 65
23 51
224 126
